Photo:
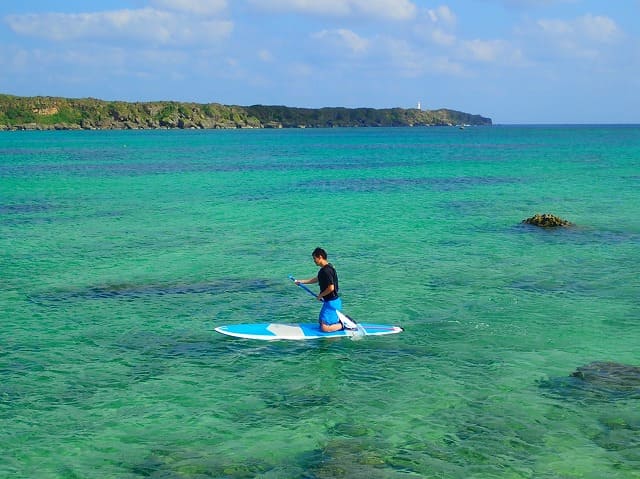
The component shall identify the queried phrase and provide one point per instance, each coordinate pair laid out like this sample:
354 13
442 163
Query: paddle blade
346 321
349 324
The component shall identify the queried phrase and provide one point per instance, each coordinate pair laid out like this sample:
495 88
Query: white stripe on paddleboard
286 330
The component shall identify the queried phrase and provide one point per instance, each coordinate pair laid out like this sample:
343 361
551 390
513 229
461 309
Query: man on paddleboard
331 302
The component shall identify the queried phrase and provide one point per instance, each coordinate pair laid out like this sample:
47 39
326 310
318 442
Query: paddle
346 321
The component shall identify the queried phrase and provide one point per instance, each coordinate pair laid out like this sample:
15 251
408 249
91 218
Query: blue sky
516 61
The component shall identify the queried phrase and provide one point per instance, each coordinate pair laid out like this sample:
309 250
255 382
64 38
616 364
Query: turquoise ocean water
120 252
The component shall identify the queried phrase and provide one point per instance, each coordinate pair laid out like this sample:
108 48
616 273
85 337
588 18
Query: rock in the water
546 220
610 375
597 381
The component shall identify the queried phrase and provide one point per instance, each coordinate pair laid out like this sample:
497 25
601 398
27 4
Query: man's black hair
319 253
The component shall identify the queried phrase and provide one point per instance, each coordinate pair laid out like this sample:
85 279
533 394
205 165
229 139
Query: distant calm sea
120 251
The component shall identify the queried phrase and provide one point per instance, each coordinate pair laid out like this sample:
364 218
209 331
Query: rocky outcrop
546 220
48 113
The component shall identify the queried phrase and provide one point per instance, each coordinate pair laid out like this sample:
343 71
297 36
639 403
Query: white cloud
442 38
391 9
535 3
398 10
587 36
482 50
265 55
199 7
555 27
343 38
300 70
598 29
442 14
16 59
70 65
492 51
437 26
446 66
308 7
145 25
411 62
403 57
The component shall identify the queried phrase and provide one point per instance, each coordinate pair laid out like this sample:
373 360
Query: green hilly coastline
49 113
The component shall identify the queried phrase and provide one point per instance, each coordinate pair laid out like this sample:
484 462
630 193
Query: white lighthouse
419 106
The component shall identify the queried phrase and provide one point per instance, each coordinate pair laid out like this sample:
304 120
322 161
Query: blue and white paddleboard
274 331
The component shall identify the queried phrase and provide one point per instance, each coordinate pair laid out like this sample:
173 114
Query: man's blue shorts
328 313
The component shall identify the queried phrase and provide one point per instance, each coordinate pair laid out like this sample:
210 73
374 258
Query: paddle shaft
303 286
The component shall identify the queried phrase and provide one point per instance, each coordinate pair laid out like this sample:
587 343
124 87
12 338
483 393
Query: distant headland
55 113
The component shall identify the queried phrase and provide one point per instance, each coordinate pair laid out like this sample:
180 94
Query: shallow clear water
121 251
